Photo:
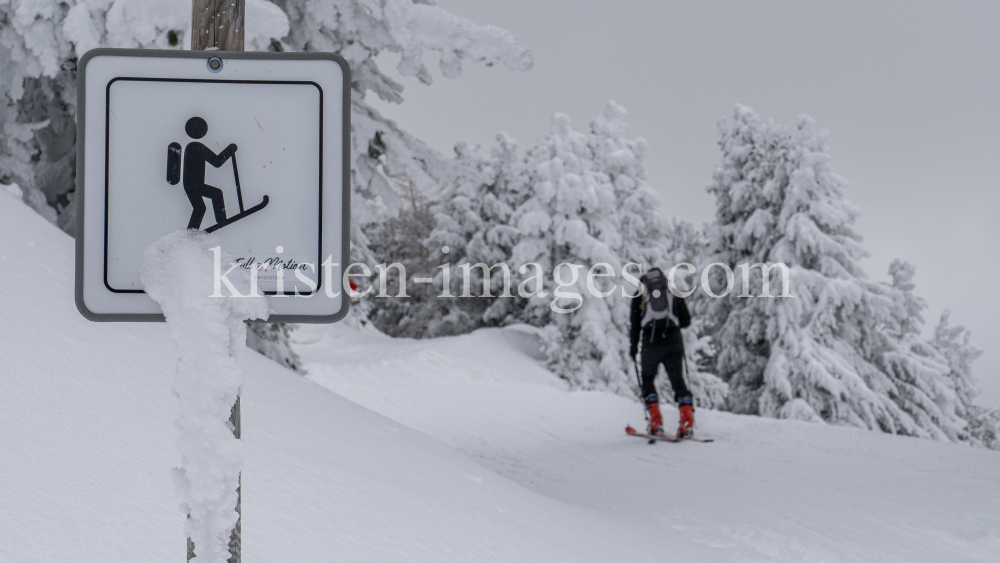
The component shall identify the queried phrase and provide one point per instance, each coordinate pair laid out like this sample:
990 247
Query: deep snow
86 447
765 490
487 457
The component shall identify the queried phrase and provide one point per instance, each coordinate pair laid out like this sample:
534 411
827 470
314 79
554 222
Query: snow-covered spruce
842 349
570 217
587 202
576 197
472 226
178 272
952 343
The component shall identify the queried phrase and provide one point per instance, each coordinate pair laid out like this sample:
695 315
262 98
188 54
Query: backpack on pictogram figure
174 164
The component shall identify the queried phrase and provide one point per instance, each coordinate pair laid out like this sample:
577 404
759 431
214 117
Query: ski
664 438
238 216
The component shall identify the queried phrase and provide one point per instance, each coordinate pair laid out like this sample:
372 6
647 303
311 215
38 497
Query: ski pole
687 372
638 380
236 176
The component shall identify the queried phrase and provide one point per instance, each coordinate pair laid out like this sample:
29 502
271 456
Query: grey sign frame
207 55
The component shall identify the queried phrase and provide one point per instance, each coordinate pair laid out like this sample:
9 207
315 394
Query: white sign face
255 151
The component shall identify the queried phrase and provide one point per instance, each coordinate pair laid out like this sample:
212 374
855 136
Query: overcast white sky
908 90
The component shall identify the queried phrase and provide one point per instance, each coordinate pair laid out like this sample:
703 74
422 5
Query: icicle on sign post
169 227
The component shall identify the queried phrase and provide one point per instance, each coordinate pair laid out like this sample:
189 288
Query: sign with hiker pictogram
160 134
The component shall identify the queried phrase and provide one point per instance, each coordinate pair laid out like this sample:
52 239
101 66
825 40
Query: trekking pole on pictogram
236 176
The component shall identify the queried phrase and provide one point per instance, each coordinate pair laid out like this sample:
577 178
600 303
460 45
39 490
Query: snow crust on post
210 333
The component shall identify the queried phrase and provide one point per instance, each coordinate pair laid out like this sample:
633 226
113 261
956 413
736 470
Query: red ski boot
653 414
686 427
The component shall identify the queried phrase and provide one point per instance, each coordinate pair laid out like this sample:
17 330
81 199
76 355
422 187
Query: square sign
252 147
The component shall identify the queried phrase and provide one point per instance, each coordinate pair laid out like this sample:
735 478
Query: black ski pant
198 213
671 355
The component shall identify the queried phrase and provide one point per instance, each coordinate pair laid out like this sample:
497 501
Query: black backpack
657 298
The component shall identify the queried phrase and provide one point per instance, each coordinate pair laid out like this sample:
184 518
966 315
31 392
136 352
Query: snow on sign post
194 167
252 147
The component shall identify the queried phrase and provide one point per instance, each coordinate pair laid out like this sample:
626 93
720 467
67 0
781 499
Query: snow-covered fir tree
840 348
398 241
952 342
643 231
568 224
649 239
473 238
588 204
686 244
926 387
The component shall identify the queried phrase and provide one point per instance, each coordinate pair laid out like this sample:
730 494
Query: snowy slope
86 444
487 458
766 490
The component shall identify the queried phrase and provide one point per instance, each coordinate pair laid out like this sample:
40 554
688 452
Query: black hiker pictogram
195 156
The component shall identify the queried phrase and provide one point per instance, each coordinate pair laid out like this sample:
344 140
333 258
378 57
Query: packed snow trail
765 490
86 446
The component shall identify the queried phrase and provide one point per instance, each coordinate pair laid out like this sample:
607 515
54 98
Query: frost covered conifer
952 342
841 348
465 227
473 237
396 309
568 224
648 239
925 385
587 207
643 231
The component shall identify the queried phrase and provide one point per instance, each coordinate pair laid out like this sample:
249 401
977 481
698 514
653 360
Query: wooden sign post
219 25
135 185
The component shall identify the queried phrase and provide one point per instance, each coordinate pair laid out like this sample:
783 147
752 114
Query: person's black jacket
659 331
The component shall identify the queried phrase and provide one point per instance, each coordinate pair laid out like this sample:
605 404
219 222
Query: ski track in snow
490 457
766 490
